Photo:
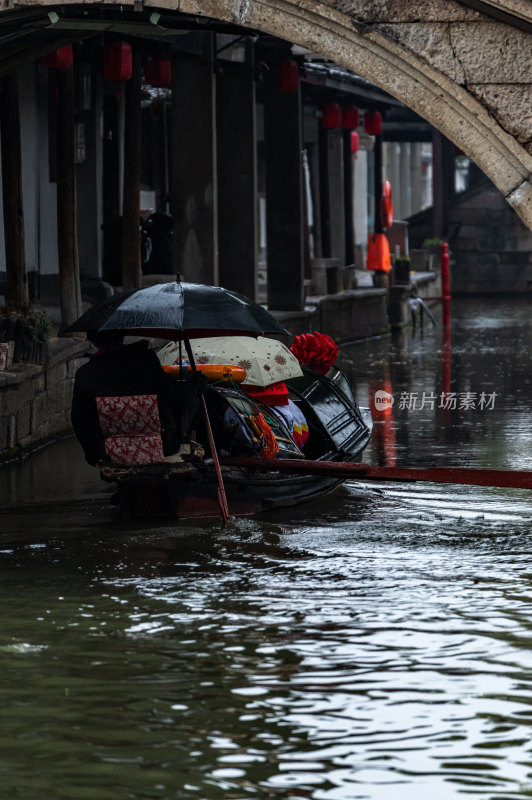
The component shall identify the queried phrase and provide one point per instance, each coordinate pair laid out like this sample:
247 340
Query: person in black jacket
118 369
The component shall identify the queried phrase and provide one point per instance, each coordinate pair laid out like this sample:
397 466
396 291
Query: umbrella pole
222 499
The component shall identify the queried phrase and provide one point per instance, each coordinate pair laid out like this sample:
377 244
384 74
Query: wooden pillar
349 225
284 197
405 187
67 230
415 177
17 279
377 177
194 178
394 175
131 270
89 179
443 190
237 175
335 189
325 210
438 202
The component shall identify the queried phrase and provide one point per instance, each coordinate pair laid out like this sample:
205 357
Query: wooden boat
339 430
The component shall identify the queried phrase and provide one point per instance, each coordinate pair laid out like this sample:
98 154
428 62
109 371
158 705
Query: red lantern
287 77
386 205
117 61
350 118
331 116
158 72
373 122
60 59
355 142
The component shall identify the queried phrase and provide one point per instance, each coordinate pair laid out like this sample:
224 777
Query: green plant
36 328
432 242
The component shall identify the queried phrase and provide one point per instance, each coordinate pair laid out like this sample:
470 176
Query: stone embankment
35 400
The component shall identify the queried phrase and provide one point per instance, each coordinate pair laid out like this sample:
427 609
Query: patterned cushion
135 450
137 413
131 427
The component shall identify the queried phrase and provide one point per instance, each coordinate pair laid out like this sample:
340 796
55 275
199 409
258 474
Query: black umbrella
177 310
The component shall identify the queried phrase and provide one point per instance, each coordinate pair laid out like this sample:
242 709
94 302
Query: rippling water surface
375 645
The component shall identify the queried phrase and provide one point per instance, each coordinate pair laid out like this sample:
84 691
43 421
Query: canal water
377 644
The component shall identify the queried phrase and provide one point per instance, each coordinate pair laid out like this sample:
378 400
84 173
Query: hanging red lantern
117 61
59 59
373 122
287 76
355 142
331 116
350 118
158 72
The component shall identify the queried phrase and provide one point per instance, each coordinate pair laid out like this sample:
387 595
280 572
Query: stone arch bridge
465 67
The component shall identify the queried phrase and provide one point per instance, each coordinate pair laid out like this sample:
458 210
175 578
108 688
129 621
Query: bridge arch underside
466 73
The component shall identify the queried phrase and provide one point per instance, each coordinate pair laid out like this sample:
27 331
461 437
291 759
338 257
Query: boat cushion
136 413
131 428
134 450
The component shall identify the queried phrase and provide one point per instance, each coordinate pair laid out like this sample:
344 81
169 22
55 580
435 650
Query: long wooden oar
339 469
222 498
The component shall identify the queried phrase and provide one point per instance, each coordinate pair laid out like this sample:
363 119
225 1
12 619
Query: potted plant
434 249
434 245
29 331
401 269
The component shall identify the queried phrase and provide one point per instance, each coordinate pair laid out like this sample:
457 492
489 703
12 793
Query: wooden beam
194 171
67 230
283 138
17 279
237 175
377 178
131 268
348 200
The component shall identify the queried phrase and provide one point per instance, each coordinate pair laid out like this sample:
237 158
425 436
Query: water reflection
378 642
490 354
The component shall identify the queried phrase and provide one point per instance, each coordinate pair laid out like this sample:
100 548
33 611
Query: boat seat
131 429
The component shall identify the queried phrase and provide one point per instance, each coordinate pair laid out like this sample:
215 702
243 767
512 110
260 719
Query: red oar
222 499
339 469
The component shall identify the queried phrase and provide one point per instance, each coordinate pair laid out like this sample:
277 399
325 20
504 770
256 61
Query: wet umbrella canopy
175 310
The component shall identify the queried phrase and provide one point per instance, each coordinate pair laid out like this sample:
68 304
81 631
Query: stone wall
346 316
491 247
35 400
